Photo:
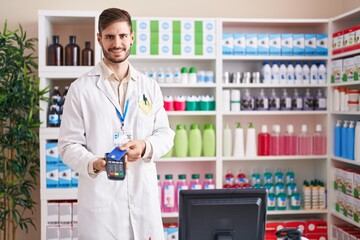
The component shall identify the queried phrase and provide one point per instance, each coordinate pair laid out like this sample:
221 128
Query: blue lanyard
122 117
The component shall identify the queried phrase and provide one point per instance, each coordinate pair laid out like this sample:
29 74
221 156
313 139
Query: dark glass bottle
55 53
87 55
72 53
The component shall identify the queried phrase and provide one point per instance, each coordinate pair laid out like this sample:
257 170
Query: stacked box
299 44
52 161
322 44
263 44
336 68
310 44
165 37
208 45
142 37
348 69
227 44
275 44
251 44
286 44
337 42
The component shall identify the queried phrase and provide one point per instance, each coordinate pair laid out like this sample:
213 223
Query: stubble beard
115 60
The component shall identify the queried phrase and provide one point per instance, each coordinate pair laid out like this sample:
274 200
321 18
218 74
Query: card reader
115 164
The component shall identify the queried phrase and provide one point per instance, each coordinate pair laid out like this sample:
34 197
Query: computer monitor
222 214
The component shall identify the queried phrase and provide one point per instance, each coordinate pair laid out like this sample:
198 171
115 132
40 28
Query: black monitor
222 214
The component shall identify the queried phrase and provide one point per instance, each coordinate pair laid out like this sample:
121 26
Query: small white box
187 26
356 181
239 44
310 44
263 44
52 213
227 44
142 38
65 232
143 25
165 25
64 176
298 44
187 50
356 67
52 153
348 176
275 44
336 68
209 38
209 50
349 207
74 232
74 212
286 44
65 213
143 49
165 38
209 26
52 233
251 44
74 178
348 69
165 49
52 176
187 38
322 44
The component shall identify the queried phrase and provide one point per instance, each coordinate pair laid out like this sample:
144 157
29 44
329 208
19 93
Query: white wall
25 12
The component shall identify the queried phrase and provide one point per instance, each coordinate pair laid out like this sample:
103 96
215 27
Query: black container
55 53
87 55
72 52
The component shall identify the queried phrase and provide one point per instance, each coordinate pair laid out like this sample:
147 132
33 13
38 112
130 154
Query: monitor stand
224 236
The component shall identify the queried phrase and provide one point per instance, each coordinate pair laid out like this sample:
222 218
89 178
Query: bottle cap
182 176
251 125
238 125
180 127
87 44
209 126
318 128
194 126
192 70
208 176
304 128
168 176
195 176
183 70
264 129
290 128
276 128
158 177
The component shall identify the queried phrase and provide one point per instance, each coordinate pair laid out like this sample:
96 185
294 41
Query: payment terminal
115 164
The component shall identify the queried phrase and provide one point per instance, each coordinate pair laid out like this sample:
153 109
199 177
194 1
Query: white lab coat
110 209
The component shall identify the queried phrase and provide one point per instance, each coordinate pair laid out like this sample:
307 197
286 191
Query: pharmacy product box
187 26
65 232
322 44
52 233
187 50
349 207
356 210
209 38
296 224
227 44
209 50
239 44
209 26
286 44
64 176
337 179
143 38
74 212
52 176
356 182
165 38
348 187
52 213
187 38
65 213
275 44
310 44
143 49
316 236
272 227
74 232
316 226
172 233
74 178
298 44
263 44
336 71
337 42
52 153
165 25
165 49
348 69
251 44
351 41
143 25
356 67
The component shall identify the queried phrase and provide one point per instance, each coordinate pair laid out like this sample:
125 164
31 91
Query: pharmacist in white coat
112 100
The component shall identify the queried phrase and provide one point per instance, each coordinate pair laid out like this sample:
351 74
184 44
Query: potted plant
19 130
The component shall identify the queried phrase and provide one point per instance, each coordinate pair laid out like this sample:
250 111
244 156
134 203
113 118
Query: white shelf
59 193
158 57
275 158
62 72
243 85
346 113
50 133
259 113
345 160
183 85
344 84
273 58
191 113
338 215
346 54
187 159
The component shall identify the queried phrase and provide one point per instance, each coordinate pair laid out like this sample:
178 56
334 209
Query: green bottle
181 141
195 141
271 201
209 143
281 200
295 200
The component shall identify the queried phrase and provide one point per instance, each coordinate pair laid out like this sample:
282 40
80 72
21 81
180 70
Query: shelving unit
84 24
338 23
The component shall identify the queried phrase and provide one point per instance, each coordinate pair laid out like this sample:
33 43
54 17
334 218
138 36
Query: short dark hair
111 15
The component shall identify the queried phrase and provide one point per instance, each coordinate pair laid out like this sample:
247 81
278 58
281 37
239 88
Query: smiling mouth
117 50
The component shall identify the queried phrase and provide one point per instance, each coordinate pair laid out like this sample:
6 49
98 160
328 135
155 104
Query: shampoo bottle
251 141
195 141
227 141
209 143
239 141
264 142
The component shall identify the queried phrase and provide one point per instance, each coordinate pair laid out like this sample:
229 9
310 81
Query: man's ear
99 38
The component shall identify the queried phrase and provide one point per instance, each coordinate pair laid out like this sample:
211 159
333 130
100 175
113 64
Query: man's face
115 41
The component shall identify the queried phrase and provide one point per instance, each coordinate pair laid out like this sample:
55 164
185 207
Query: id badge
121 137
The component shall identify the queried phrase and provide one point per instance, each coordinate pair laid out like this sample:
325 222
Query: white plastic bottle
239 141
161 75
266 71
306 73
153 74
314 74
275 73
169 76
322 73
177 75
184 75
251 141
283 73
290 74
336 99
298 74
227 141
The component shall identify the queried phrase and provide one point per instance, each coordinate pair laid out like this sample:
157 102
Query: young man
113 105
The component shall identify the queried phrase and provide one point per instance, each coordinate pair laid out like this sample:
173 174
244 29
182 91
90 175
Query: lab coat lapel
106 89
